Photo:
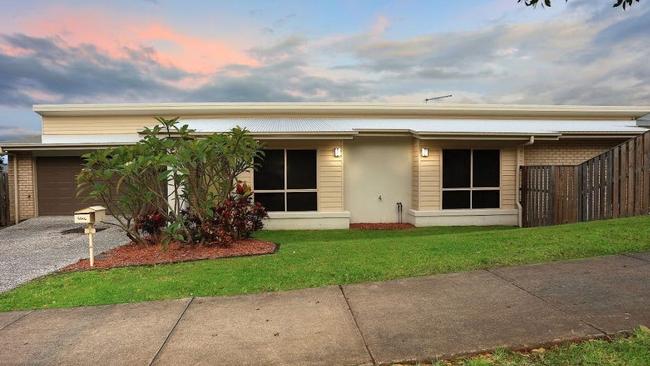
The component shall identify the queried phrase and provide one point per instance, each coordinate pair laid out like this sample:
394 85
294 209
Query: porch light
337 152
425 152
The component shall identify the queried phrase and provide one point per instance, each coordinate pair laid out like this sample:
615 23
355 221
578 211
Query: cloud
277 24
380 25
288 47
579 58
10 133
51 70
586 56
282 82
112 32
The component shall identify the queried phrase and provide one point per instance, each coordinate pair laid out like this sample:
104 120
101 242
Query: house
331 164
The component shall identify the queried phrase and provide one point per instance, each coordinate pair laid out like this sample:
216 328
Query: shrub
171 170
236 217
239 216
151 225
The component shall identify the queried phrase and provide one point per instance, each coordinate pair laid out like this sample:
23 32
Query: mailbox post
90 216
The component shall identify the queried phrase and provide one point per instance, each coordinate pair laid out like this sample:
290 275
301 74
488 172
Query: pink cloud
41 95
114 34
197 54
13 51
380 25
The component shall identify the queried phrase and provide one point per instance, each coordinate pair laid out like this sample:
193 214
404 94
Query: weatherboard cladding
119 126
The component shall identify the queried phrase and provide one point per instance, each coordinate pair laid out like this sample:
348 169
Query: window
471 178
286 180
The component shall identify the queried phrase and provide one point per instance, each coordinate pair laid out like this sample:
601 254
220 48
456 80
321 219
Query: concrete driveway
39 246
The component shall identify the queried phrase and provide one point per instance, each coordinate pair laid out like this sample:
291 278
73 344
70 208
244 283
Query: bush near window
173 186
237 217
152 225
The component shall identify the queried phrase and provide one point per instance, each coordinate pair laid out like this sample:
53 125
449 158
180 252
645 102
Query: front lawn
319 258
634 350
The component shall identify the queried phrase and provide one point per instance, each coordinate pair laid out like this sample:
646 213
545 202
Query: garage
56 185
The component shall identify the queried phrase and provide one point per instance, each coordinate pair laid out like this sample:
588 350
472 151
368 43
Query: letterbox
90 215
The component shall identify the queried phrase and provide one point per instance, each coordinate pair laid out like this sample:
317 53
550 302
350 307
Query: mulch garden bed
385 226
136 255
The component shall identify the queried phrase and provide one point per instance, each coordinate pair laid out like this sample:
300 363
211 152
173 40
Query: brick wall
26 186
565 152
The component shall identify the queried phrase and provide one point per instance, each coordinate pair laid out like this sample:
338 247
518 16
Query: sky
480 51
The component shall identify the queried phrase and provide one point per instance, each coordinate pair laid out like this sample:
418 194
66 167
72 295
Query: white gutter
344 109
518 183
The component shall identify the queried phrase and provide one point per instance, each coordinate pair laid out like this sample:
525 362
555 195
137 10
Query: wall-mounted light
337 152
425 152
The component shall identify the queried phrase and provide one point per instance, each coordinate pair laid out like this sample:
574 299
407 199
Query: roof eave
10 147
345 110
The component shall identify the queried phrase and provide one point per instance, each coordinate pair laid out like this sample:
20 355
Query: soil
135 254
384 226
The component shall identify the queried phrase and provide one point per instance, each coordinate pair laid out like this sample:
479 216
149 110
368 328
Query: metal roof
416 126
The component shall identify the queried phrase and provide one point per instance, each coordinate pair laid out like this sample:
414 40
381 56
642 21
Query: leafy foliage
159 187
623 3
152 224
236 217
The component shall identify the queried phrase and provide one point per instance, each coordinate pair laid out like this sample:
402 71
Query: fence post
646 170
523 195
4 198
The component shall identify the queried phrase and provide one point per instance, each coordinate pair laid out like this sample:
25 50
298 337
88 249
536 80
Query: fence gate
613 184
549 195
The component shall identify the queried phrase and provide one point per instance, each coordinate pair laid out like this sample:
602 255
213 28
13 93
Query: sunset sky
580 52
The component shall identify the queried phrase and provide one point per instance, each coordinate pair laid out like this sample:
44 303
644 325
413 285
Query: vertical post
523 195
90 230
16 193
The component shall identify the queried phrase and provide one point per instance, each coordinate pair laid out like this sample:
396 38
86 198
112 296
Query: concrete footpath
375 323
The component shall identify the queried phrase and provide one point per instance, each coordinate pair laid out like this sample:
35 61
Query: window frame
286 190
471 187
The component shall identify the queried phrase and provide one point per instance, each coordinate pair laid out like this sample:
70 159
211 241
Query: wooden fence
4 198
613 184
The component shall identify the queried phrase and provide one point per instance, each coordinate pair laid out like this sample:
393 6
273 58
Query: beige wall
373 165
96 125
377 166
27 207
565 152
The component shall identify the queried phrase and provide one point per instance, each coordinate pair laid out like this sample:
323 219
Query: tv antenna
427 100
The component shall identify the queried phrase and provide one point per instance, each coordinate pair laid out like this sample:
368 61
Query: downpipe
399 212
520 219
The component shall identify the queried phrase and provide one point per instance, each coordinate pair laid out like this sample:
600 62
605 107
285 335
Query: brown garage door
57 187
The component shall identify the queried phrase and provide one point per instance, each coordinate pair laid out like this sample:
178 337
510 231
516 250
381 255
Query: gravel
36 247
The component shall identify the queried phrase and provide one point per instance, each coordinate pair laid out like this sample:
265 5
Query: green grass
319 258
632 351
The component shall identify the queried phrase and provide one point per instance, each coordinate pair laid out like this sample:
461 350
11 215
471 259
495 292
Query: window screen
485 199
270 174
470 179
486 168
456 168
271 201
286 180
301 169
301 201
455 199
